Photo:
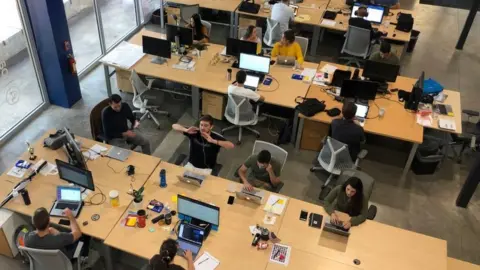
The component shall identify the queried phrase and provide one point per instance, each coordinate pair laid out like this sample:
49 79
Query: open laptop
255 196
252 82
118 153
288 61
192 178
67 197
362 112
190 237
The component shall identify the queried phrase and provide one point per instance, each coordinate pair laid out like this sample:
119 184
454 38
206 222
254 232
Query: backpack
404 22
309 106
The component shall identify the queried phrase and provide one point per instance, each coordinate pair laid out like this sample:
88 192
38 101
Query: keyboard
67 205
337 229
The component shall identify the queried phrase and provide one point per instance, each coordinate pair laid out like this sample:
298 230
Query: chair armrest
363 153
471 112
78 250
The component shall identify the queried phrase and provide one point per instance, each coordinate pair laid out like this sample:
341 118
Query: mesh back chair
273 34
243 30
239 112
96 126
141 103
41 259
208 26
186 12
278 153
357 44
470 137
303 42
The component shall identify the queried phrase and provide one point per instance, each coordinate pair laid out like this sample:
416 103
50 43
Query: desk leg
195 102
107 255
409 160
294 128
107 80
315 40
298 138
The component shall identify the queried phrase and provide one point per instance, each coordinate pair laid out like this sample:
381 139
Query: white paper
309 72
328 22
94 152
206 262
269 220
447 124
319 83
275 204
425 121
185 66
17 172
330 69
254 230
49 169
125 55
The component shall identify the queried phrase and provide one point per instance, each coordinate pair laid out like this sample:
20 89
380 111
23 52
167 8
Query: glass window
118 19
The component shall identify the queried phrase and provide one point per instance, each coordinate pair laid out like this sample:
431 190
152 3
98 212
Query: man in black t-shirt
361 22
204 144
347 131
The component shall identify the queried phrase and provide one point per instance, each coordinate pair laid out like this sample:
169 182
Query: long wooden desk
454 264
397 123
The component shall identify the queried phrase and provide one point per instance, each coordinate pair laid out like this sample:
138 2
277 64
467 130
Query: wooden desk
454 264
42 189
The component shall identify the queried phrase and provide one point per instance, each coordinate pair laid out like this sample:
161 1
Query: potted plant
138 198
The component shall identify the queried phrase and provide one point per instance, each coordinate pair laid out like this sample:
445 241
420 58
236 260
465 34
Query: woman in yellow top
251 35
288 47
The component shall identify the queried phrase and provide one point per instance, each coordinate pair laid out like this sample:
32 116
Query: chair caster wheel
312 170
238 143
257 136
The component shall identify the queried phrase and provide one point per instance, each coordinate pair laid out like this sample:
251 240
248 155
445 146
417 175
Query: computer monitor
364 90
420 80
184 34
75 175
381 72
237 46
198 210
375 12
252 62
159 47
75 156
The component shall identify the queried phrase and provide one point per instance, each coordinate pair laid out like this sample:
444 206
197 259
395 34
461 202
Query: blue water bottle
163 178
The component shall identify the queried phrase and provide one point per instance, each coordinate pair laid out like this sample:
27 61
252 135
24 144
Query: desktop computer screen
185 34
75 175
364 90
237 46
254 63
378 71
158 47
75 156
199 210
375 12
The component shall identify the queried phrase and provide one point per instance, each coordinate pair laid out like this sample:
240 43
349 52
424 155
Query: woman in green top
348 198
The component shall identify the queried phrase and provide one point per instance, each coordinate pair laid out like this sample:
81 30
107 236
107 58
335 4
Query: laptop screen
69 194
362 110
375 13
252 81
199 210
191 233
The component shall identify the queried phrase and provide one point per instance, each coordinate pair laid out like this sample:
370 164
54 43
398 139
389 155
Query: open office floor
425 204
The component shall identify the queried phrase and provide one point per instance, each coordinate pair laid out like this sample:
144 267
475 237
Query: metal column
468 25
298 138
409 160
195 102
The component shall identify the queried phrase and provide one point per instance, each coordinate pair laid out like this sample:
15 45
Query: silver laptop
288 61
67 197
252 82
190 237
255 196
192 178
118 153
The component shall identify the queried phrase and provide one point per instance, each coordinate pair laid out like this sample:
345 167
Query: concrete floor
424 204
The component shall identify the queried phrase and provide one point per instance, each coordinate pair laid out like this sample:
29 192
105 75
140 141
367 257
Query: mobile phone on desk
303 215
297 77
267 81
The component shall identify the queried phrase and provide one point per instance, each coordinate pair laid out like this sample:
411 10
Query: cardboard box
9 222
312 135
213 104
123 80
170 12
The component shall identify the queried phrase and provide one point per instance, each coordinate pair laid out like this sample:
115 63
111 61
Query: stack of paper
94 152
185 66
275 204
330 23
206 262
447 124
125 55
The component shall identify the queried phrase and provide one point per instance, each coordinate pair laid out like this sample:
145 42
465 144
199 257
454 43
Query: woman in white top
251 35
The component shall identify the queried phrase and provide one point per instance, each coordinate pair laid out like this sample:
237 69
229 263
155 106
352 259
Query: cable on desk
102 200
278 85
378 111
108 165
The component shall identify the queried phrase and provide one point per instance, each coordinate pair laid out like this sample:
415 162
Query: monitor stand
158 60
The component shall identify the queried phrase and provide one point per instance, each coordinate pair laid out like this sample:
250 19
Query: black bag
404 22
309 106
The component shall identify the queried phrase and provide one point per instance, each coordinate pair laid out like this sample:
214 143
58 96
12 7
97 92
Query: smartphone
303 215
267 81
231 199
65 222
297 77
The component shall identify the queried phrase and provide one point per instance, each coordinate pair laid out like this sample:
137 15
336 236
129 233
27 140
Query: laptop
67 197
118 153
192 178
252 82
336 229
288 61
255 196
362 112
190 237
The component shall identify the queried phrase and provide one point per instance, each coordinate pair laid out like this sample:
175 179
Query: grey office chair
273 34
239 112
277 153
187 11
357 44
141 103
470 137
41 259
208 26
303 42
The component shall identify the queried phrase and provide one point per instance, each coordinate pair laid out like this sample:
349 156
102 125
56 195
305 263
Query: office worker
283 14
200 32
347 131
385 54
392 4
238 89
204 144
347 198
287 46
251 35
260 171
360 22
164 260
115 119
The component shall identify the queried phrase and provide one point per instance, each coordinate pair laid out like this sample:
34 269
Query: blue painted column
50 29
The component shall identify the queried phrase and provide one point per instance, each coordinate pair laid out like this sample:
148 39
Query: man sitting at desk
347 131
46 237
204 144
115 125
287 46
283 14
260 171
385 54
361 22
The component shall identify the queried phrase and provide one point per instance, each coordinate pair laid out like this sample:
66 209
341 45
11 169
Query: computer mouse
394 35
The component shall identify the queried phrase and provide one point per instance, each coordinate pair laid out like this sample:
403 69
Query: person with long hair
251 35
200 32
347 198
164 260
287 46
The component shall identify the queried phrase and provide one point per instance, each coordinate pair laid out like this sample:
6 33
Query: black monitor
156 46
199 210
75 175
380 72
420 80
184 34
75 156
364 90
237 46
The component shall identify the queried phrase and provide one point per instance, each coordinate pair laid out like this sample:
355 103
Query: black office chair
470 136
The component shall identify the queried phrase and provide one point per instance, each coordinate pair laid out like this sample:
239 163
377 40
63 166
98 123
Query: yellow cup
114 198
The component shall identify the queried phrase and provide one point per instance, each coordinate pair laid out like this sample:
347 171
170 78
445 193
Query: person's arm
375 56
188 256
274 179
129 114
357 220
242 172
206 38
179 128
329 202
275 50
53 231
76 232
223 143
299 54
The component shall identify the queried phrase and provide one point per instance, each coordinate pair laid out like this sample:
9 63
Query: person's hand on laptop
248 186
188 255
347 225
136 124
68 213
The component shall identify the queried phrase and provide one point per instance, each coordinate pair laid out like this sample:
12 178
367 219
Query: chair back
273 33
278 153
96 126
186 12
367 181
208 26
357 42
46 259
139 87
243 30
239 111
335 157
303 42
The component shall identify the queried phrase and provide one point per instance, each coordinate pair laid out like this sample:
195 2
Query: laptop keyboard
67 205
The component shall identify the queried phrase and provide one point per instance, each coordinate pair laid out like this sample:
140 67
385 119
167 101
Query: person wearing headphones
164 260
360 22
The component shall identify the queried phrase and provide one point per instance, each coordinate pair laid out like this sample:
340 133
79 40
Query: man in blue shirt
392 4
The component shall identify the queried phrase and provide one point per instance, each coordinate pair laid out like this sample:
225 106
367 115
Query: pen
203 261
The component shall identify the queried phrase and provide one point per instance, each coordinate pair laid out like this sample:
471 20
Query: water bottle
163 178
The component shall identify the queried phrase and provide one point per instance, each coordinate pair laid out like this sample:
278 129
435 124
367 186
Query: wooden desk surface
225 5
42 189
233 236
454 264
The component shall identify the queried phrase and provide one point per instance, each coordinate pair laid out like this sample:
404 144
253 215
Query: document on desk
185 66
125 55
330 23
330 69
308 74
94 152
206 262
447 124
275 204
